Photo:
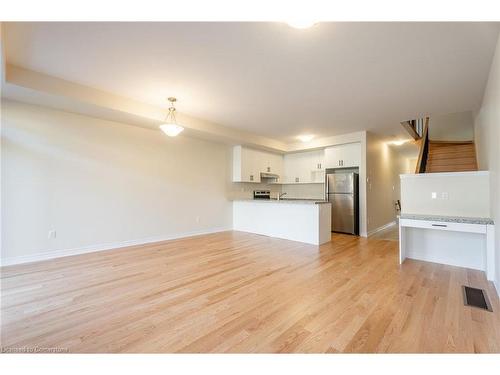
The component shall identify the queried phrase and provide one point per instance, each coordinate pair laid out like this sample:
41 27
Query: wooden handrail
424 149
411 130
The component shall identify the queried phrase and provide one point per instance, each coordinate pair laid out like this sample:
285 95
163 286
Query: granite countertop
448 219
283 201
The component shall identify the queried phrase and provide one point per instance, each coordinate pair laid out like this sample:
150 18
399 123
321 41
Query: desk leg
402 243
490 252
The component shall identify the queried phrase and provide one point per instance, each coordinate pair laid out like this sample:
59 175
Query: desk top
449 219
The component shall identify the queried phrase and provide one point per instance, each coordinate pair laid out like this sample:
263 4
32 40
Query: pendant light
170 127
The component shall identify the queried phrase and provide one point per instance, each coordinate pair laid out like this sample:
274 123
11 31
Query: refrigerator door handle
326 187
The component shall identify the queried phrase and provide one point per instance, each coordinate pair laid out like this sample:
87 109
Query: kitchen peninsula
306 221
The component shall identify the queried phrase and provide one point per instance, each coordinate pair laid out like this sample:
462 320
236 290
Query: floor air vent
476 298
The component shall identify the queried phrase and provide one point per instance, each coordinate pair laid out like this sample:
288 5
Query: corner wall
487 139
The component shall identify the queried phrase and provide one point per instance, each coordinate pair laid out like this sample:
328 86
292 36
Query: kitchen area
301 196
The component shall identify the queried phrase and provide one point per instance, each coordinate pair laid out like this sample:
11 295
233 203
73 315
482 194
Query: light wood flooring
239 292
390 234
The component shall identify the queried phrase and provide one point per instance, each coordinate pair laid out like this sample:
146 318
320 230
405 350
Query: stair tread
452 162
454 149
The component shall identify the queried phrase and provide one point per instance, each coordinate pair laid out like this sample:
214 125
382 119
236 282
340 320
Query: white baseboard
385 226
101 247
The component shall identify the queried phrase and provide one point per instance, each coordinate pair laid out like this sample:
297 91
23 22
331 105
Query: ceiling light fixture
170 127
399 142
301 23
306 137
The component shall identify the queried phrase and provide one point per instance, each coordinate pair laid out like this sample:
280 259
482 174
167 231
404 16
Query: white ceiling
268 78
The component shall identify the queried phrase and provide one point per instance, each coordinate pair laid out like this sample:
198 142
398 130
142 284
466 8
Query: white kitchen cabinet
248 164
293 168
343 156
304 167
317 164
273 163
245 165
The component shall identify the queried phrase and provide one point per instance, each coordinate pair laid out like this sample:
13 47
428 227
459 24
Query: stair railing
423 149
415 128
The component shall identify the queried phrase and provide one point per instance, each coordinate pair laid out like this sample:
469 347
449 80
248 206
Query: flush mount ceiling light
305 137
399 142
170 127
301 23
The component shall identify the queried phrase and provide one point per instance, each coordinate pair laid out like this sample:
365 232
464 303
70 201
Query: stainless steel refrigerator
342 193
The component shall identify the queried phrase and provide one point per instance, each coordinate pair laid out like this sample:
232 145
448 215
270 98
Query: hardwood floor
239 292
390 234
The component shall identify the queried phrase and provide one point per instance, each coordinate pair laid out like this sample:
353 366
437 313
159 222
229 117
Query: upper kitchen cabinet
304 167
248 164
273 163
343 156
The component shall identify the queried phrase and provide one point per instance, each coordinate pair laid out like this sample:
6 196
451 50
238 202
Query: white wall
304 191
457 194
452 127
487 138
101 183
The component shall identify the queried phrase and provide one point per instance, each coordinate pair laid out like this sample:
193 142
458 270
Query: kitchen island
306 221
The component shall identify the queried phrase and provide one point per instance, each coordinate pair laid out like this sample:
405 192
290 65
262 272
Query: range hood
269 176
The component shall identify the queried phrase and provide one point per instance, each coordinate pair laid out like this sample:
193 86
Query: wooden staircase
440 156
451 157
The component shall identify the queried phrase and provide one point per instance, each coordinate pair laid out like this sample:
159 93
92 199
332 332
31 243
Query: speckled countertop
448 219
283 201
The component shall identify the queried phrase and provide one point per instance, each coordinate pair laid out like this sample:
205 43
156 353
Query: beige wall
487 139
98 182
384 165
452 127
457 194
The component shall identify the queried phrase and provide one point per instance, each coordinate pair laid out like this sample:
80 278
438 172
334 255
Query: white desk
457 241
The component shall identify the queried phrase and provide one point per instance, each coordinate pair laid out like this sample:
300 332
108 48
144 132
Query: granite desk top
449 219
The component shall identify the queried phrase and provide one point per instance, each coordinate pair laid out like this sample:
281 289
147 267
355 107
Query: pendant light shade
170 127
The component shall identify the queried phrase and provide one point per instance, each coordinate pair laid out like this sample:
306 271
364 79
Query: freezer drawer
344 214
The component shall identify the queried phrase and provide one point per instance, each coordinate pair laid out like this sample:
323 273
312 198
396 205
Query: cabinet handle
296 179
269 169
440 225
251 177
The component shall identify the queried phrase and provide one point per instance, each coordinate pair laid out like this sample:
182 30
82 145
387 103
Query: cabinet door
292 168
275 164
256 161
249 166
343 156
332 157
316 160
318 167
351 155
